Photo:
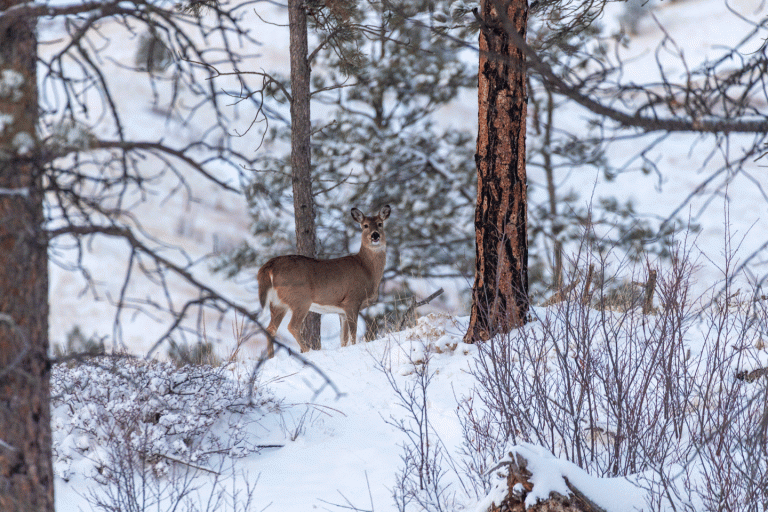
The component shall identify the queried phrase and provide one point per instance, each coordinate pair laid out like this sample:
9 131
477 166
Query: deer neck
374 259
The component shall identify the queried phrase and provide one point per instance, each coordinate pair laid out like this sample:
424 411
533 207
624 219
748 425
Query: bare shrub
152 54
200 353
619 393
128 486
78 343
420 483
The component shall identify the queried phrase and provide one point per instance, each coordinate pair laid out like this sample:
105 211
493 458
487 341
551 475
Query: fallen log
530 479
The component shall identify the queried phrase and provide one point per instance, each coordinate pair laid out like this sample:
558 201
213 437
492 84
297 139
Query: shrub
664 396
153 411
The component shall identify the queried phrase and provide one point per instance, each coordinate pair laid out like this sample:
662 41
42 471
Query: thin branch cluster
672 399
106 156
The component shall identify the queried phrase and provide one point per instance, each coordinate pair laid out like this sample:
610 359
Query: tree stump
519 485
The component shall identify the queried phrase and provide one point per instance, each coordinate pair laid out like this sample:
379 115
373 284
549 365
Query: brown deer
341 285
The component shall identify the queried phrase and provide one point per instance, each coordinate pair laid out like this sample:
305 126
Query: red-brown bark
500 293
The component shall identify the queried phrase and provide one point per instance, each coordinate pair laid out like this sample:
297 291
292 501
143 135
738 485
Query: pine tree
301 154
500 291
379 144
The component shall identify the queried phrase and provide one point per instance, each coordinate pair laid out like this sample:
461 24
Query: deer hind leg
344 335
278 314
298 315
343 331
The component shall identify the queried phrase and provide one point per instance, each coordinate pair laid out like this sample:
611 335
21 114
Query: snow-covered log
532 479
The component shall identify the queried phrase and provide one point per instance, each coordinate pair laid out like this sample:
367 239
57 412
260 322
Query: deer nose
375 236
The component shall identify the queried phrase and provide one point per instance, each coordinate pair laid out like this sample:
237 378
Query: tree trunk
301 151
500 293
26 472
557 245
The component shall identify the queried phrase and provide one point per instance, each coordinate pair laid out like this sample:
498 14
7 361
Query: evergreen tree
500 292
301 152
379 144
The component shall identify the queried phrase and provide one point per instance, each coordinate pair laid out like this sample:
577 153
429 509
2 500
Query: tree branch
207 291
647 123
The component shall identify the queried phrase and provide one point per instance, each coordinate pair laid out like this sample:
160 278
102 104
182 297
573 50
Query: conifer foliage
375 87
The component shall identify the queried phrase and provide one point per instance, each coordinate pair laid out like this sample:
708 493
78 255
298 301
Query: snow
549 475
10 84
23 143
5 120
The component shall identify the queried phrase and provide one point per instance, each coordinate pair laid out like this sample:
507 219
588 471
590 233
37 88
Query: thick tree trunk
26 472
301 151
500 293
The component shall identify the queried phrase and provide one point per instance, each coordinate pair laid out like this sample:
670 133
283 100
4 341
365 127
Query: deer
343 286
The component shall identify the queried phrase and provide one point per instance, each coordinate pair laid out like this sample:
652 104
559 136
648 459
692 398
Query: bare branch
707 124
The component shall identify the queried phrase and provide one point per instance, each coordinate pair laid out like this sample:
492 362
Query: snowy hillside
351 428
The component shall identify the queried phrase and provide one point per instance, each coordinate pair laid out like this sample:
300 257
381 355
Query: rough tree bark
26 472
500 292
301 151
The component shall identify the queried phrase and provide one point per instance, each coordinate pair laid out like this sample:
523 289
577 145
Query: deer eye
380 224
365 226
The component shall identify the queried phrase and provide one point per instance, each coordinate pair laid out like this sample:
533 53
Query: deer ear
358 215
384 213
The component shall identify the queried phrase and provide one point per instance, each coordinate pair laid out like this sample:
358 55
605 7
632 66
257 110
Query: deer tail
264 277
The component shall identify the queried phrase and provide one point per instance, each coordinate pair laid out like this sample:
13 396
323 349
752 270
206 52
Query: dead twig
415 304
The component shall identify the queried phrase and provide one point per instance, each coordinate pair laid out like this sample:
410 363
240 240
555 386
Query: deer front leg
352 325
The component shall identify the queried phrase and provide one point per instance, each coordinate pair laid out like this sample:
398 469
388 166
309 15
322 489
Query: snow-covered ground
324 433
335 441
